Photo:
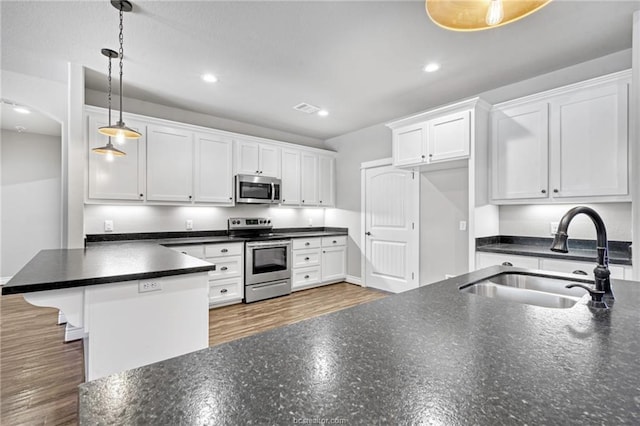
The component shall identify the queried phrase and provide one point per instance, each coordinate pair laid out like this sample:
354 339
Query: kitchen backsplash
128 219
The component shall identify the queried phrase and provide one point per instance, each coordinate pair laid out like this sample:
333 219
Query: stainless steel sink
535 290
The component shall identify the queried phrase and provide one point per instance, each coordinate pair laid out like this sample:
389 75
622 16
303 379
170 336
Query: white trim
351 279
4 280
634 144
376 163
72 333
464 104
542 96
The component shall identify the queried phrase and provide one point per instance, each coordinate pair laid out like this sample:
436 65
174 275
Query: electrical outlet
310 221
463 225
145 286
189 224
108 226
553 227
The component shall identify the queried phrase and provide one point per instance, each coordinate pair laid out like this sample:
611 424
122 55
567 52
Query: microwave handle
273 192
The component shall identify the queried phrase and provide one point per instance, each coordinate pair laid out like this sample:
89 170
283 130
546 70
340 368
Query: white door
309 179
326 181
290 177
169 164
520 148
269 160
213 169
449 137
391 229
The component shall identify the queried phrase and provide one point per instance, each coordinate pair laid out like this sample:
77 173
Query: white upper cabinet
568 145
326 181
310 196
213 169
291 177
520 149
448 137
436 138
118 178
258 159
589 142
169 164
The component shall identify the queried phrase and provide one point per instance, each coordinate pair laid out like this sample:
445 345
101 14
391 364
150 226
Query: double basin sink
530 289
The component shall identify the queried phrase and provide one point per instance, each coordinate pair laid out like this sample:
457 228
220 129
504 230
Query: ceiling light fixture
475 15
21 109
109 150
209 78
323 113
431 67
120 130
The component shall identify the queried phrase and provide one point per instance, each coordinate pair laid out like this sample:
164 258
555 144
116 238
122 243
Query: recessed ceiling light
21 110
209 78
432 67
323 113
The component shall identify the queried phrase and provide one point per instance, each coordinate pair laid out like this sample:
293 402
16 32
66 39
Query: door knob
367 233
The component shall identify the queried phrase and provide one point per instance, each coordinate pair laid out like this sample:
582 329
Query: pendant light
119 130
109 150
475 15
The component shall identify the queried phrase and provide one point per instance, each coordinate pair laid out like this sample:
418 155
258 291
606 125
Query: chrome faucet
601 271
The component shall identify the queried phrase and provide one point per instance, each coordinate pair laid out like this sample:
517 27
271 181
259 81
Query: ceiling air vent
307 108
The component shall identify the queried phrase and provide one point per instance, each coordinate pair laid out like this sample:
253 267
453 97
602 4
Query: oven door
257 189
267 261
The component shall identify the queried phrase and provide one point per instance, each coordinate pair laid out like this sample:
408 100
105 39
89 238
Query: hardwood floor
39 374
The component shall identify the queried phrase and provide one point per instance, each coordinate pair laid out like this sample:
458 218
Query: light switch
463 225
553 227
189 224
108 226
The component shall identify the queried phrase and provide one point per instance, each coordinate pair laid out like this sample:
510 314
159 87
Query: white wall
444 202
127 219
371 143
150 109
31 197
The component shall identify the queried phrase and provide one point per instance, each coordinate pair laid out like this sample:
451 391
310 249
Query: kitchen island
431 355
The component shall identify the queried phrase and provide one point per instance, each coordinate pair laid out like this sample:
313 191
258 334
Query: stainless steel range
267 259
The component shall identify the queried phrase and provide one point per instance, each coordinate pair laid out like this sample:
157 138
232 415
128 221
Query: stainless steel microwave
257 189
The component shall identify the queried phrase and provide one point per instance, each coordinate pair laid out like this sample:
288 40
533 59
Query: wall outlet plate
145 286
108 226
463 225
553 227
189 224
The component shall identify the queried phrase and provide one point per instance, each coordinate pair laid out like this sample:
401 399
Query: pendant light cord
109 97
121 57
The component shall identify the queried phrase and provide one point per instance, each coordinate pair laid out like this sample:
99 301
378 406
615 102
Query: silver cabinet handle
306 277
335 242
579 272
306 258
544 191
224 250
224 268
223 291
307 243
507 264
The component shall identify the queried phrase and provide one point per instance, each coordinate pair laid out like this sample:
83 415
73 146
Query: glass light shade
109 149
119 130
473 15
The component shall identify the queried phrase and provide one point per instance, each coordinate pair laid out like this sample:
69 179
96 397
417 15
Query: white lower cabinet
582 268
484 260
226 283
318 261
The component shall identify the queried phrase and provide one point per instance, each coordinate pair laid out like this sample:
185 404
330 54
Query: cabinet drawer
222 290
304 277
305 258
194 250
484 260
305 243
223 249
226 267
338 240
569 266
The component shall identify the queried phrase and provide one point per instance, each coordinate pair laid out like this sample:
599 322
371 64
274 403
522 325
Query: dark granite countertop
64 268
581 250
431 355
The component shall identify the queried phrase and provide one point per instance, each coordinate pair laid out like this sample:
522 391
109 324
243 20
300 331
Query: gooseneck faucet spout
601 272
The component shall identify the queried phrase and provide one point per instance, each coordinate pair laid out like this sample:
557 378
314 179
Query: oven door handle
273 192
278 243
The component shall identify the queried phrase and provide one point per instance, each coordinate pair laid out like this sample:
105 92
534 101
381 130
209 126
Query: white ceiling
361 60
34 122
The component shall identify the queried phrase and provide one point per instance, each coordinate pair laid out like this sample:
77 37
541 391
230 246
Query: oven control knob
268 220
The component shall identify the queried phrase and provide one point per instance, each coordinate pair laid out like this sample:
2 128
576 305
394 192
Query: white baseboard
72 333
354 280
4 280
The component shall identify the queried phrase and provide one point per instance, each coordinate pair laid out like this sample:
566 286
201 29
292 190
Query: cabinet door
213 169
589 142
409 145
116 178
334 263
326 181
520 147
290 177
309 179
449 137
269 160
169 164
248 161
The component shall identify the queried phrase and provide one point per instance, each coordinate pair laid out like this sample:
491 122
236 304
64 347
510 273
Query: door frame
363 240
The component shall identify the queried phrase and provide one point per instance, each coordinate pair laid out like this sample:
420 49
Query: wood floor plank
39 373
